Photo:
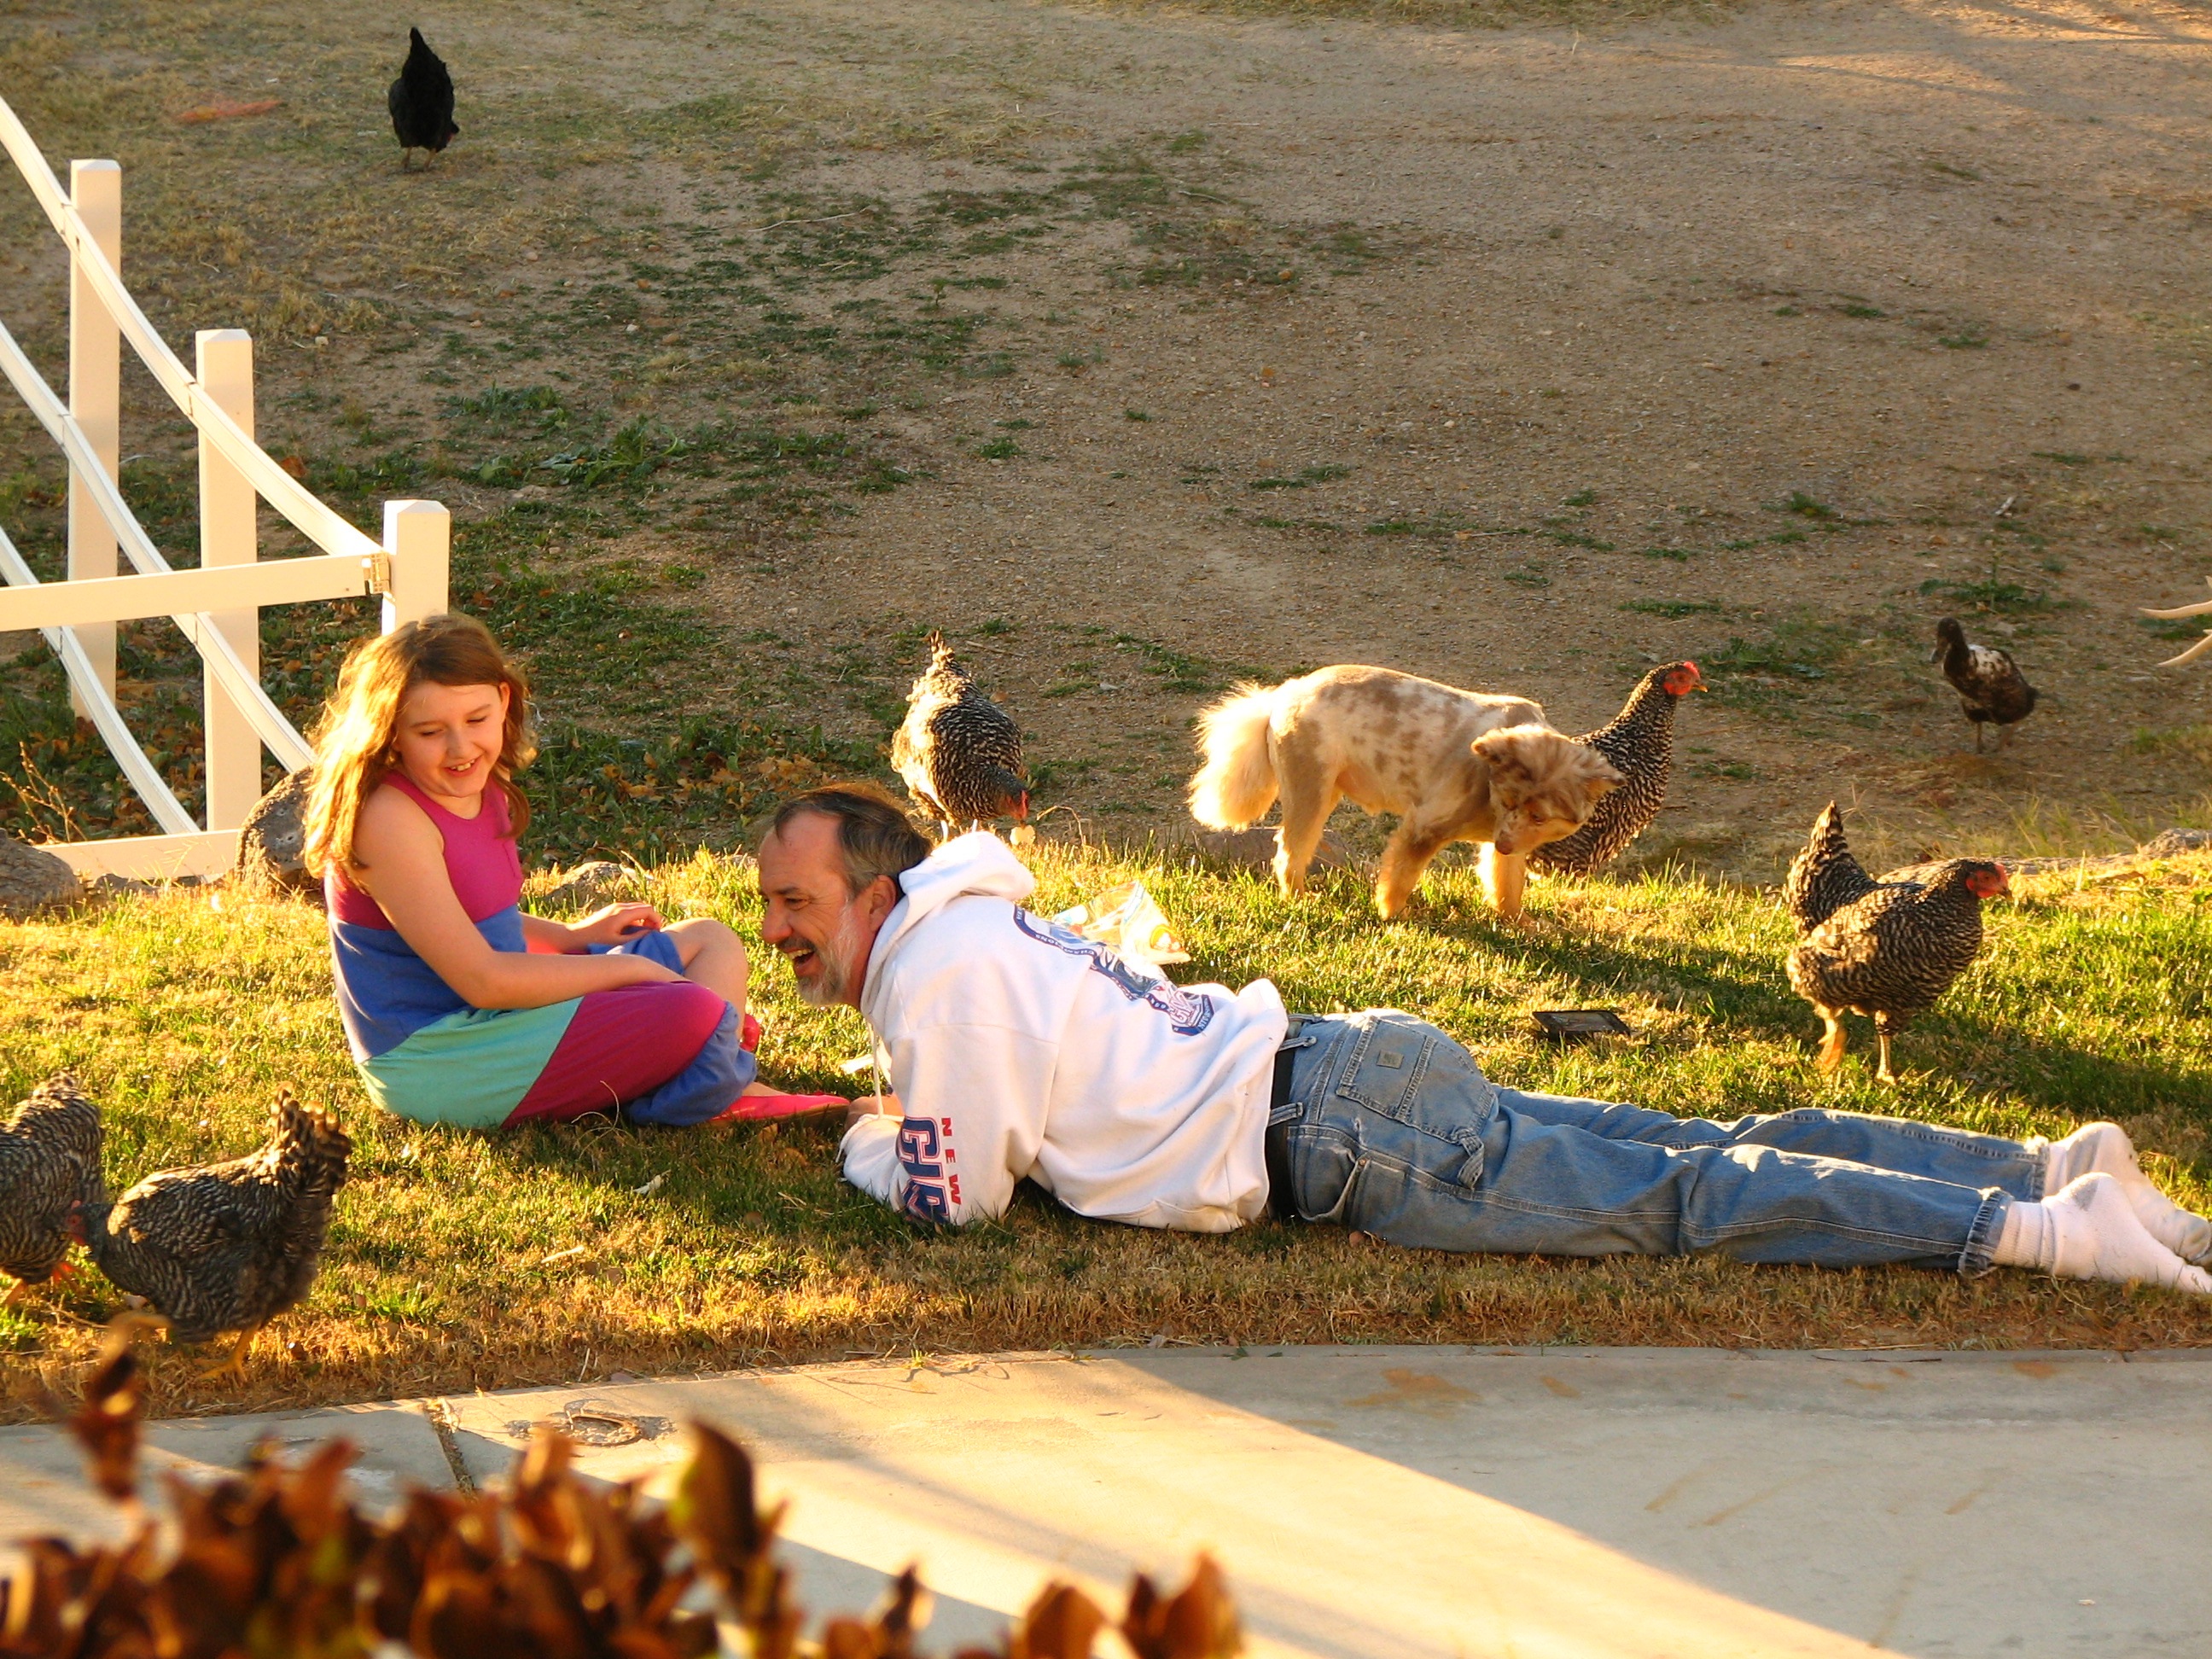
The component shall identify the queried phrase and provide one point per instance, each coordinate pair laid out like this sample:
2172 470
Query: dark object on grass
1990 687
1579 1024
1639 741
274 835
32 880
228 1247
48 1167
959 752
1885 948
421 102
281 1559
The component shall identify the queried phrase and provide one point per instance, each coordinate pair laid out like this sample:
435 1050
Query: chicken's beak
1936 655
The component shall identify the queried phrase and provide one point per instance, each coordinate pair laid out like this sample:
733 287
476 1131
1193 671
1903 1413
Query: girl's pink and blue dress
667 1053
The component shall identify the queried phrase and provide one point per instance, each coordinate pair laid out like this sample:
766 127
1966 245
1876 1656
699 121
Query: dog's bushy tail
1236 784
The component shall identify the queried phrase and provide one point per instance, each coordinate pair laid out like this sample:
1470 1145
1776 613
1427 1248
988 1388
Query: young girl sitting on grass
459 1007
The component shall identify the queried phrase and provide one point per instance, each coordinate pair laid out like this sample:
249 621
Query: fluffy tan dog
1455 765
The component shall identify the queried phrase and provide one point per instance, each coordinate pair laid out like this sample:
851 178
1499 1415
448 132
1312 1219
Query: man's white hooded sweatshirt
1020 1047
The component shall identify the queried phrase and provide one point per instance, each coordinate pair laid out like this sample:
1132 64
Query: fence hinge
377 568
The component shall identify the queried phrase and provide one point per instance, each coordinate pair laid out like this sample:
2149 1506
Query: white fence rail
218 606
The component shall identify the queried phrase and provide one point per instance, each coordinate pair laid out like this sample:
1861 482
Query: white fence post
228 506
95 399
417 552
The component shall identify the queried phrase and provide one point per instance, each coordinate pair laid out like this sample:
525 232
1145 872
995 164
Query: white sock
2028 1238
2088 1230
2104 1146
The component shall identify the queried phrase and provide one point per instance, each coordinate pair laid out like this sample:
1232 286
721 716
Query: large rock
32 881
269 846
586 886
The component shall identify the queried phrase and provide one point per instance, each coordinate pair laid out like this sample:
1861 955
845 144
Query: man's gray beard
831 986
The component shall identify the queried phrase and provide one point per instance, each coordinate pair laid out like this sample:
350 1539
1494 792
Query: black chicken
959 752
1990 684
421 102
1639 741
49 1165
228 1247
1885 948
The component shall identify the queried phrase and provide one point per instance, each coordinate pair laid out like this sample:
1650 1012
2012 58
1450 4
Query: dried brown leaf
1198 1622
1060 1623
107 1424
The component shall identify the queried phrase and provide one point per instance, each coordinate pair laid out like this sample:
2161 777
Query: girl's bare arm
403 869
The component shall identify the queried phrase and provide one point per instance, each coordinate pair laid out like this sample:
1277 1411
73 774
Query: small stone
2173 844
1255 849
587 884
275 833
111 885
32 881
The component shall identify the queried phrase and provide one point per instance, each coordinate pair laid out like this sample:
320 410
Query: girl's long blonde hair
353 739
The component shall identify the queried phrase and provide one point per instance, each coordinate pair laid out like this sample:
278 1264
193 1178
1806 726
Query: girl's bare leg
716 957
713 956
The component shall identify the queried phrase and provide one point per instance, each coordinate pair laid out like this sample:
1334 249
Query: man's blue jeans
1392 1129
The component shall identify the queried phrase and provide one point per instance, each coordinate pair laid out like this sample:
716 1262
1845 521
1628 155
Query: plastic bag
1127 921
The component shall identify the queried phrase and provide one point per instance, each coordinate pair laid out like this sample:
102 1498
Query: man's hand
873 1106
616 925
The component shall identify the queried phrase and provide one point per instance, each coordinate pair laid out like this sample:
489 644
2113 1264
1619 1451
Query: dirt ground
1521 358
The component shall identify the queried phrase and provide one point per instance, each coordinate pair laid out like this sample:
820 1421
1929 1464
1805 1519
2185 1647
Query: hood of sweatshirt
977 862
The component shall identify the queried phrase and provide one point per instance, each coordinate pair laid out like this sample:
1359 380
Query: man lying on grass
1016 1047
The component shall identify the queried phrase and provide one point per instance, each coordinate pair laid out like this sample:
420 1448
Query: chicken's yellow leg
1831 1046
1884 1074
234 1367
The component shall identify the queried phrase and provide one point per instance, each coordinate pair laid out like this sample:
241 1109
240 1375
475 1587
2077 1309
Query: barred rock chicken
959 752
49 1165
228 1247
1885 948
421 102
1639 742
1990 687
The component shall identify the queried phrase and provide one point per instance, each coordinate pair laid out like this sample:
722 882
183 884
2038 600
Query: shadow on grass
1957 1040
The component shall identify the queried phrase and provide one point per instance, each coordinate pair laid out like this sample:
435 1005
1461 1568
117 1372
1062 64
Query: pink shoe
748 1109
749 1035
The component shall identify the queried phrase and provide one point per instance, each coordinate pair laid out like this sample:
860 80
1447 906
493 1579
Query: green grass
462 1259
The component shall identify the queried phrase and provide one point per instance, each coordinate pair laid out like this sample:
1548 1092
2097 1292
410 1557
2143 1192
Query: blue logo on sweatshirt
1188 1013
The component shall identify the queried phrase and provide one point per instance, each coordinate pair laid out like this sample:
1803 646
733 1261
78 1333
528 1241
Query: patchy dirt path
1938 270
1519 358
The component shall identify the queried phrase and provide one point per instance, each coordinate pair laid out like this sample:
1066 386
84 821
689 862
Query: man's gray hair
875 836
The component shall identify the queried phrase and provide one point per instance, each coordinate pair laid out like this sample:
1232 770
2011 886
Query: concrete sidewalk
1375 1501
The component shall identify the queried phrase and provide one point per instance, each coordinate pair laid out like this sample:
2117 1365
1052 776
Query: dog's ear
1507 751
1586 772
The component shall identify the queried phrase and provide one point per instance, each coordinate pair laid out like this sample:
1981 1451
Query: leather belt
1277 1144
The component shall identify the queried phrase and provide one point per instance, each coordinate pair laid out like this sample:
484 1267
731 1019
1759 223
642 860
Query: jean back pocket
1406 1070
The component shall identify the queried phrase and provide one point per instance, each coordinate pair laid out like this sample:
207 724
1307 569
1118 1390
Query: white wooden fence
218 604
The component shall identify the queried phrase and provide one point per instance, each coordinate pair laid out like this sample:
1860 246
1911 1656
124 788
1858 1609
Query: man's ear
881 898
